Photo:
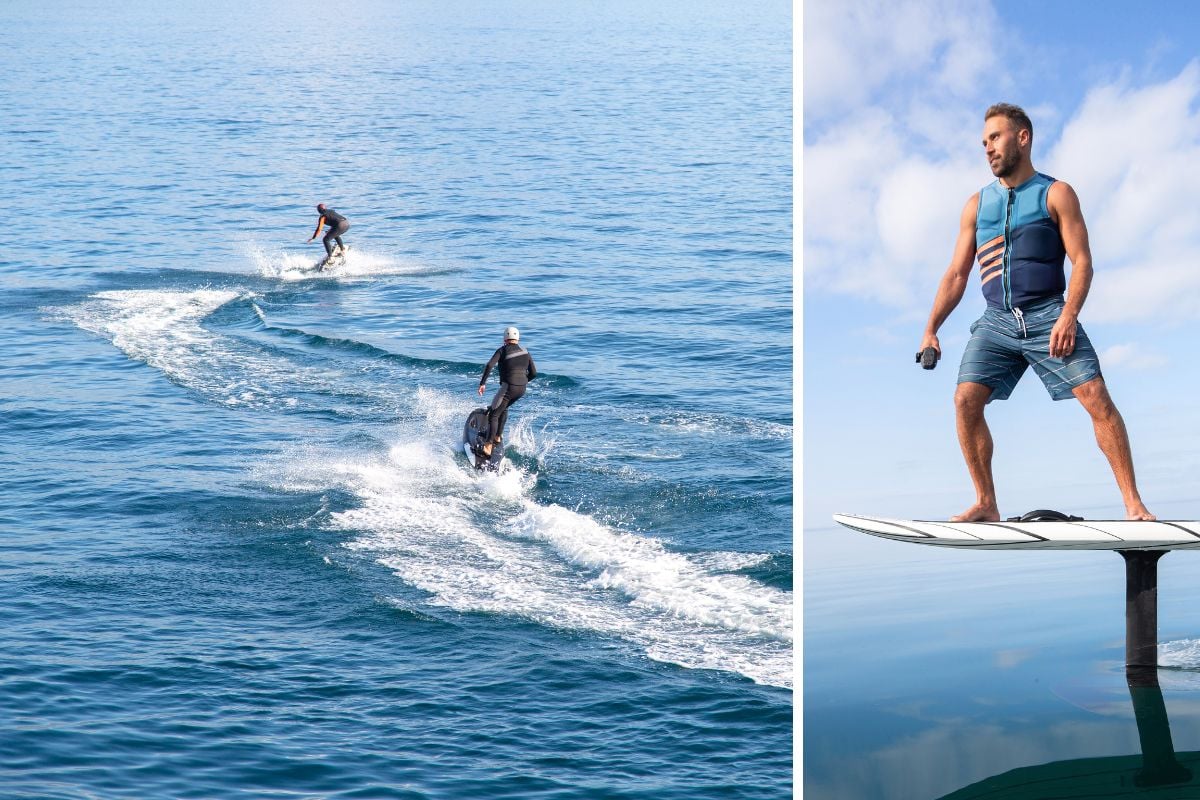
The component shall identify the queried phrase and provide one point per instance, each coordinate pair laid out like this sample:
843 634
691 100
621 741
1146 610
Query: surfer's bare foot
980 512
1139 512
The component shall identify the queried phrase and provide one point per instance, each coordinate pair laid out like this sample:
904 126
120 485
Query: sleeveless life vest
1018 246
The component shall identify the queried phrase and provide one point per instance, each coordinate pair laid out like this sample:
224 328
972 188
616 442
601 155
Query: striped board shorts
1004 343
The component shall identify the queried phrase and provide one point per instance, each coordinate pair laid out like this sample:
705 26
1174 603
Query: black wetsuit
337 226
516 370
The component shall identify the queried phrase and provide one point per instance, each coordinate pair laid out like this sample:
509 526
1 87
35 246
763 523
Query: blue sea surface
241 553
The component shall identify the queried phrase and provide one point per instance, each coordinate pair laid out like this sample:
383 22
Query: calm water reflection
1157 771
936 674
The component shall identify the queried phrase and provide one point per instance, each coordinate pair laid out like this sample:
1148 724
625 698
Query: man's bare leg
1114 443
976 442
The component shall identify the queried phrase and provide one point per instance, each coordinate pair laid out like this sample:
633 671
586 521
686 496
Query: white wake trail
358 264
481 544
474 543
165 330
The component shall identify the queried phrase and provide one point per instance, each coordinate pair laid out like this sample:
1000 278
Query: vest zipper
1006 277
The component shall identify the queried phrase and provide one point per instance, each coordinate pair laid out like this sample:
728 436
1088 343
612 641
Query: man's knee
970 398
1094 397
1095 389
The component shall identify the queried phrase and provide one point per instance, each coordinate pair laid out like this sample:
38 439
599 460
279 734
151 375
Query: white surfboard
329 263
1089 534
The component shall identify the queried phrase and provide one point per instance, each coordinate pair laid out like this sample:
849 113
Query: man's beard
1007 165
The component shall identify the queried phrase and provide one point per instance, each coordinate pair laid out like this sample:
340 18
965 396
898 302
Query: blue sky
893 98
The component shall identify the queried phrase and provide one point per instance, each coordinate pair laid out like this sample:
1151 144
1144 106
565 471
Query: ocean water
241 553
936 674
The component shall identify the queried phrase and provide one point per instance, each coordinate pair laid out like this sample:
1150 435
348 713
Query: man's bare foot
980 512
1138 512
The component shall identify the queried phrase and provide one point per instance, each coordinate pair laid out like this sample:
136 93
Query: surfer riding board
337 225
1021 228
484 429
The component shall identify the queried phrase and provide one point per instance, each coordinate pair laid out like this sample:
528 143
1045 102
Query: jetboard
474 432
335 259
1040 534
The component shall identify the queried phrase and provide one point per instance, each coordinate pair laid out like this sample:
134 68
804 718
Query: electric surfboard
336 259
474 435
1039 534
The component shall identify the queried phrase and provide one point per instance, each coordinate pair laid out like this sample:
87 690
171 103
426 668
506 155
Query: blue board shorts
1004 343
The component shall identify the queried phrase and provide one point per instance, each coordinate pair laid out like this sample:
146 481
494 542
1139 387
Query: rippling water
241 553
943 674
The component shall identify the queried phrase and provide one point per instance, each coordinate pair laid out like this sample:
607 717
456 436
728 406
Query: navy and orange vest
1018 246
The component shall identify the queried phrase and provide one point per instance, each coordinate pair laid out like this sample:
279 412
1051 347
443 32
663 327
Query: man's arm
954 282
531 370
1063 205
488 369
320 222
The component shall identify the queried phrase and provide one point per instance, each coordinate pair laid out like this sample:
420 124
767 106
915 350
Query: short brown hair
1015 114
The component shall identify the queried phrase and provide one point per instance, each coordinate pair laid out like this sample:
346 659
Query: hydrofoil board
1072 534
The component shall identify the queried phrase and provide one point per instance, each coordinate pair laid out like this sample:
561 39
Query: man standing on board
516 371
1019 228
337 226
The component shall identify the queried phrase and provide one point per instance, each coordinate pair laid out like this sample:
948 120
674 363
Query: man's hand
481 390
931 340
1062 335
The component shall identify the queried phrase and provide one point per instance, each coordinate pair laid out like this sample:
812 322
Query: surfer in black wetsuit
516 370
337 226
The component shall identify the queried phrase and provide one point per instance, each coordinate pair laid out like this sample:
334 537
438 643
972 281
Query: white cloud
880 222
1133 156
1131 356
854 49
920 202
892 150
840 174
892 104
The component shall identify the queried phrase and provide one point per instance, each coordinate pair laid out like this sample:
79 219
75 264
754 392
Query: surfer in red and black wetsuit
516 371
337 226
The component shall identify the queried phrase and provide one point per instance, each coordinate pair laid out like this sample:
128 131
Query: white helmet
512 334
